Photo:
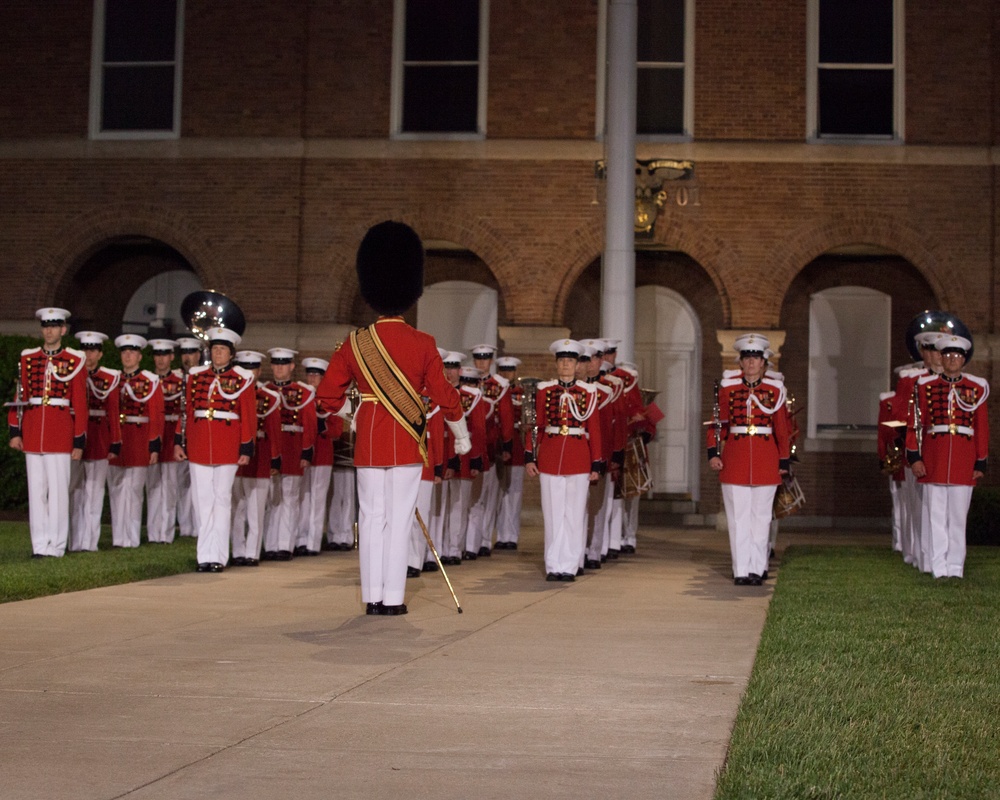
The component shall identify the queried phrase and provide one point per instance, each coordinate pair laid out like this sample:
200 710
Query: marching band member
296 443
316 481
499 442
431 477
218 437
512 489
104 439
888 440
140 404
623 522
449 544
948 453
48 423
756 454
567 460
252 486
343 511
468 467
392 365
190 353
162 477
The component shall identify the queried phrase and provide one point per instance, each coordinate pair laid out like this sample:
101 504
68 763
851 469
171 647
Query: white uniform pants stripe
509 516
387 497
748 515
315 492
88 504
161 501
125 487
48 502
944 515
343 511
564 509
212 496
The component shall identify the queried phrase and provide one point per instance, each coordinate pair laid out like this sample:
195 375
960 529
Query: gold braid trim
390 385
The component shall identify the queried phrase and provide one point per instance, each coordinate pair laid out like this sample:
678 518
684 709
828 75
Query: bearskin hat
390 266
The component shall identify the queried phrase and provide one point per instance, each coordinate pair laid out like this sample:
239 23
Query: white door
459 314
668 354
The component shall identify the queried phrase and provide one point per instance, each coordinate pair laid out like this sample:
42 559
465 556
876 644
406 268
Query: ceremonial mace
437 558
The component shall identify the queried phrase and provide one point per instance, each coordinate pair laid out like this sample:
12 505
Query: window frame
687 135
97 81
898 66
398 68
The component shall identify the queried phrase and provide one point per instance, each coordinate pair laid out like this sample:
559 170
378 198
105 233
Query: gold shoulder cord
390 385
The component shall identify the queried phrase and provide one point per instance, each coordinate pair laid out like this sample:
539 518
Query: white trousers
912 493
898 514
125 488
598 514
483 514
212 497
616 523
283 521
630 520
944 514
48 502
509 516
312 520
87 500
748 515
564 511
185 510
161 501
250 497
459 500
418 544
387 497
343 506
436 524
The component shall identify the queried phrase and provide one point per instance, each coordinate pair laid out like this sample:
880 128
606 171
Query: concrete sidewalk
270 682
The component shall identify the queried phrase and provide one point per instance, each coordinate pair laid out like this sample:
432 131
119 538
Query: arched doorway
459 314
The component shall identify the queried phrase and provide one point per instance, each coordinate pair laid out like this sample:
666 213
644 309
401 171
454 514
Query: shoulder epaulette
546 384
731 382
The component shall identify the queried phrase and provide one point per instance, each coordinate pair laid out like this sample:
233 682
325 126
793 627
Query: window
664 68
855 79
136 69
439 68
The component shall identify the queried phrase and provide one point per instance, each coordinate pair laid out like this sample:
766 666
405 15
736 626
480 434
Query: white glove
463 444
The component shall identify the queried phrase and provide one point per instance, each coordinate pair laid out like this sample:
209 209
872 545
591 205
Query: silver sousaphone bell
207 309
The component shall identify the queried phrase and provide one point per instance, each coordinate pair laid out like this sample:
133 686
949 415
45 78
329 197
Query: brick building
830 181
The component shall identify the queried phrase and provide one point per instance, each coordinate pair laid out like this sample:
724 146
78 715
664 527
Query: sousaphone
207 309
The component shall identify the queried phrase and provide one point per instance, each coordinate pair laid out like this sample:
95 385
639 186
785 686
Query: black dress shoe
628 548
741 581
764 576
455 561
565 576
755 580
551 577
591 563
269 555
204 567
239 561
468 555
283 555
328 546
512 545
484 552
215 566
250 562
312 552
613 554
301 550
430 566
374 609
412 572
37 555
394 611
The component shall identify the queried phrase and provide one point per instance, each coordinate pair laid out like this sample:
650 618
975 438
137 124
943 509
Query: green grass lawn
22 577
872 681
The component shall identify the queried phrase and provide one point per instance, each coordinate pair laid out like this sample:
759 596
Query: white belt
137 420
211 413
98 412
565 430
952 429
750 430
48 401
171 417
292 428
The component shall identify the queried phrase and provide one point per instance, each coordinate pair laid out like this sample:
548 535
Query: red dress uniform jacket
619 418
886 433
140 406
474 407
55 389
956 431
265 457
569 429
221 415
380 441
323 447
298 424
104 425
172 386
517 444
605 414
754 432
499 417
434 468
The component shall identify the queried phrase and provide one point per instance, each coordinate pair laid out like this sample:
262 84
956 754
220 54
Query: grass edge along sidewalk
22 577
872 681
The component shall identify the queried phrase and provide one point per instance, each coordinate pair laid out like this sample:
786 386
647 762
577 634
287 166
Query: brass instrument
788 497
717 421
529 414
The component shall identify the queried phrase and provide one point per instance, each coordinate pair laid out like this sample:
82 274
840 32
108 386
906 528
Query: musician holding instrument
48 423
393 365
750 451
190 353
512 488
947 446
316 481
162 477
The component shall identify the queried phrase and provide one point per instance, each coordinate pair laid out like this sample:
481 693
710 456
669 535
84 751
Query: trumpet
529 414
893 458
